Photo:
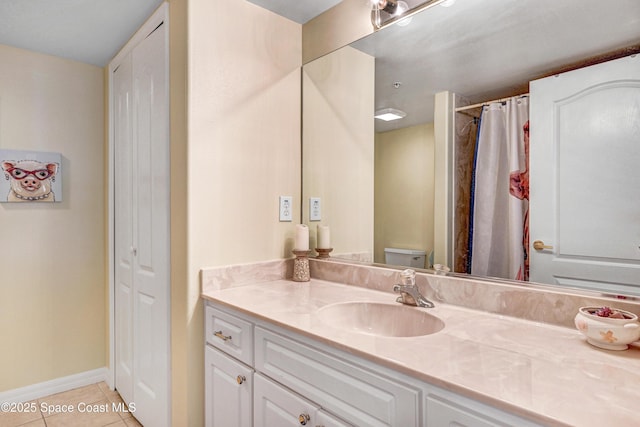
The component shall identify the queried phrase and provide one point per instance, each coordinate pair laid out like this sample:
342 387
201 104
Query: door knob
539 245
241 379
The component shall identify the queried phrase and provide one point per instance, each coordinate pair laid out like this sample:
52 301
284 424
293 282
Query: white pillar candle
302 238
324 237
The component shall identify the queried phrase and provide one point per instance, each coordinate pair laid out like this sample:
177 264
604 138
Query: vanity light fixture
389 114
395 8
397 11
402 8
388 6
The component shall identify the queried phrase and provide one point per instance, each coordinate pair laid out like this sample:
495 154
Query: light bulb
395 8
401 8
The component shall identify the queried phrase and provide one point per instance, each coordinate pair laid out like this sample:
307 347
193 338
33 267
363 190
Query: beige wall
339 26
338 147
52 257
183 324
404 189
244 131
444 135
243 152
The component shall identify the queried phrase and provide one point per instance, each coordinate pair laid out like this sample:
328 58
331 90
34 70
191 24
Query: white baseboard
36 391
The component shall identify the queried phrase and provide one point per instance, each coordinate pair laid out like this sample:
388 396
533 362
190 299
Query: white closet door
584 150
151 230
123 241
142 240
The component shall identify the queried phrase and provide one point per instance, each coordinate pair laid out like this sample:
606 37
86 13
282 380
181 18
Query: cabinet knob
304 419
240 379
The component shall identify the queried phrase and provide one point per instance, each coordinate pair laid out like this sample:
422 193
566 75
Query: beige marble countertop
548 374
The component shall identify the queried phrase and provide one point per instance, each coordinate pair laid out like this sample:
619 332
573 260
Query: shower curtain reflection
498 229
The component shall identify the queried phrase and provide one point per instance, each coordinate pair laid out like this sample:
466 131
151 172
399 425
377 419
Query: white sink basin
389 320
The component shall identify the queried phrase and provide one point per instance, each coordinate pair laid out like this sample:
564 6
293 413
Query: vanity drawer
358 395
230 334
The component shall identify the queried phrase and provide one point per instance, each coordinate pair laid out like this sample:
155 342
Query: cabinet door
452 410
443 414
228 391
324 419
275 406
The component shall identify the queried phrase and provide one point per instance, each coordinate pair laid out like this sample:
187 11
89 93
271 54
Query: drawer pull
240 379
223 337
304 419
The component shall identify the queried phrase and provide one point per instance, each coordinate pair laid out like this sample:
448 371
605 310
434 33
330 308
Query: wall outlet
286 208
315 213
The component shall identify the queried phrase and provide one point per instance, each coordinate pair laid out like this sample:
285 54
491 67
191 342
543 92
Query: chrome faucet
409 292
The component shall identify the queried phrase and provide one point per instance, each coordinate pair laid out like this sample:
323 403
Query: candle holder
323 252
301 266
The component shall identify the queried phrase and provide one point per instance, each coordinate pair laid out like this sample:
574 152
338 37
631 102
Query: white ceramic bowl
606 332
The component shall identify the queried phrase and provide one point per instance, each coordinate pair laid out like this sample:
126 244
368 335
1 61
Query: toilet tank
405 257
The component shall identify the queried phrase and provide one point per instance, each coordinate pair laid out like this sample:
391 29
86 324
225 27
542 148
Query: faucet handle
408 277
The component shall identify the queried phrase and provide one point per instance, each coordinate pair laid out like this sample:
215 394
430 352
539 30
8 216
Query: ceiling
90 31
299 11
483 50
549 35
93 31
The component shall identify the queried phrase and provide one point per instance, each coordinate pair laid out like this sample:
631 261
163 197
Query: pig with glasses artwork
31 180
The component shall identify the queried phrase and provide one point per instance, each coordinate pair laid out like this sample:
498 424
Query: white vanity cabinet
262 375
280 380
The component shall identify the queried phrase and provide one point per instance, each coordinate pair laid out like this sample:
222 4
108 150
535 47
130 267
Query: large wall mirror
379 183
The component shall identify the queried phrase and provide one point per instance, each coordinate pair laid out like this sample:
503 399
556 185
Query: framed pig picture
30 176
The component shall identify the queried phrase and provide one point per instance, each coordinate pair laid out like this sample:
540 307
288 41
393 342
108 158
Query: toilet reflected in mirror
406 257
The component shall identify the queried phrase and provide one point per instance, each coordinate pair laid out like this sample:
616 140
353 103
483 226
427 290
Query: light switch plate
315 212
286 208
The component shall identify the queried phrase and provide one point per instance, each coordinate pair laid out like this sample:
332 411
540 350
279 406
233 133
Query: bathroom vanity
276 356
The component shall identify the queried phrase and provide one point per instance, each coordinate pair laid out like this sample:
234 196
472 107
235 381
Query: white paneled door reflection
585 152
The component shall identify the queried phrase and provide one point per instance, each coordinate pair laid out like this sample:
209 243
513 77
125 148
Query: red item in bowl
607 312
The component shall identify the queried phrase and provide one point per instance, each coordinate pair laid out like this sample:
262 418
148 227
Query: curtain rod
482 104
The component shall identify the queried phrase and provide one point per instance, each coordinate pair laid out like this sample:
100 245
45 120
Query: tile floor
93 406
